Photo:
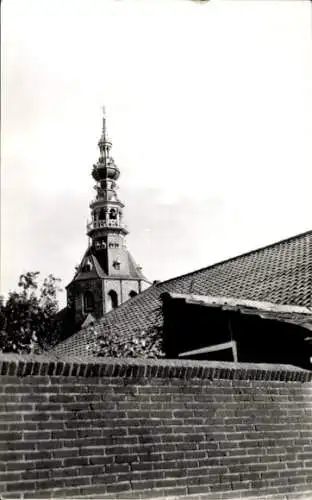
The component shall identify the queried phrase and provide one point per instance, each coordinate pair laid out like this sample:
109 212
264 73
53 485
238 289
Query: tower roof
97 268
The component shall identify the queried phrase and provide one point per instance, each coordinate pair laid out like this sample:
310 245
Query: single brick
19 465
116 468
104 479
89 451
21 445
49 445
34 398
146 475
18 407
36 417
138 485
75 461
43 407
47 464
63 434
176 491
77 481
49 484
35 474
10 417
38 455
122 459
36 436
90 470
145 466
38 495
23 426
21 486
10 476
100 460
64 472
14 496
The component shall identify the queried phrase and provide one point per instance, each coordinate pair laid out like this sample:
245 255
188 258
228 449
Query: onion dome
105 170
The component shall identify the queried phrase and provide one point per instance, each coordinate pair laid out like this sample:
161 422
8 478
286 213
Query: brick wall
143 429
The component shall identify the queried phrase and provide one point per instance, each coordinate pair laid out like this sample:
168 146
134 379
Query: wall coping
24 365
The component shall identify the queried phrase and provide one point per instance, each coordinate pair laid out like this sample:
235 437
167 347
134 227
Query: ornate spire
107 274
106 208
105 169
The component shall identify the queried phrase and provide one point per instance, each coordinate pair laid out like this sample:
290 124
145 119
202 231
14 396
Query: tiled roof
280 273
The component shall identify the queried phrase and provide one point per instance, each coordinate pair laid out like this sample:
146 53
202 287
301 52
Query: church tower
107 275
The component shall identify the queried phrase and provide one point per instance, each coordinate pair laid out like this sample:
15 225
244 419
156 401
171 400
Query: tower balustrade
99 224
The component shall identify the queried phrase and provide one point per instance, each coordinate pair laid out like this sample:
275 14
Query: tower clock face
116 264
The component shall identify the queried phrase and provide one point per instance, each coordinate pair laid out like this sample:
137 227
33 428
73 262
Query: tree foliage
140 343
28 321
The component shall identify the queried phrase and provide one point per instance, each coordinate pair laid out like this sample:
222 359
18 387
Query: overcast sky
209 107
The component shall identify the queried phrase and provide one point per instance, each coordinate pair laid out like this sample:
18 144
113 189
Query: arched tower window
113 299
88 302
102 214
113 213
132 294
